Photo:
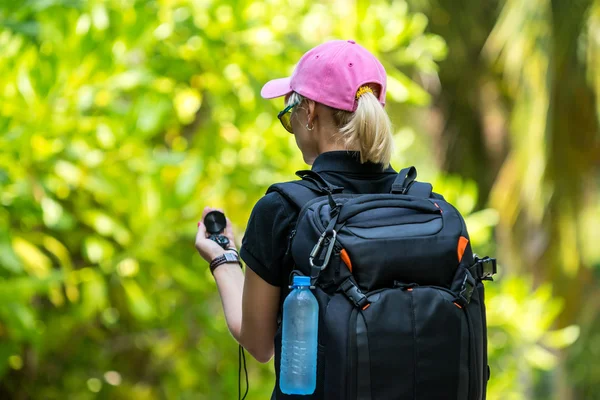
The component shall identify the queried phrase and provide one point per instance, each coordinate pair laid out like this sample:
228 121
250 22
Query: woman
334 109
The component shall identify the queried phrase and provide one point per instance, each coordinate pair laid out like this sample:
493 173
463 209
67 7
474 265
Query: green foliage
522 343
120 120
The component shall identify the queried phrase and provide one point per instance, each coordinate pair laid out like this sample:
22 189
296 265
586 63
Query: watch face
231 257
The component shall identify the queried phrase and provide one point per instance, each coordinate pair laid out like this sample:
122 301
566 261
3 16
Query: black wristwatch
226 257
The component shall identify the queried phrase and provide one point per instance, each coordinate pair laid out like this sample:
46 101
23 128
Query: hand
208 249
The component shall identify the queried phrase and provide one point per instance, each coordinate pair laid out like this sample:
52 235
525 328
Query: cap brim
276 88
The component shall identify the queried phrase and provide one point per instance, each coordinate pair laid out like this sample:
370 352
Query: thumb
201 230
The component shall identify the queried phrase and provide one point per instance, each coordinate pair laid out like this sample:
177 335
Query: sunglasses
285 117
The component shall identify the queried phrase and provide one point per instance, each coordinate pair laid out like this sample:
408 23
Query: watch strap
227 257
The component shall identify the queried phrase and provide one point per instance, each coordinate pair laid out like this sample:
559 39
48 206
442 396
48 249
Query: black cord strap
242 356
224 259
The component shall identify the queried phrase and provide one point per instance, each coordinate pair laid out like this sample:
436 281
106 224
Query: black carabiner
317 250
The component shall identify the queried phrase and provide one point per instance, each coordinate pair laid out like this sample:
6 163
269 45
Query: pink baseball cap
331 74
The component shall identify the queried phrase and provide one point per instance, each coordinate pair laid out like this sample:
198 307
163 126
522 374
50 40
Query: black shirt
273 217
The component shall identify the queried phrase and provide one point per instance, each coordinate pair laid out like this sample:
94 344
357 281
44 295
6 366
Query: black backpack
401 299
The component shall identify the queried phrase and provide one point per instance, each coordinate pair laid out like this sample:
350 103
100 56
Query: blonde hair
368 129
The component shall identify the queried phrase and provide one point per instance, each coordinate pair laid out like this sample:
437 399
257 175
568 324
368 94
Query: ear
311 111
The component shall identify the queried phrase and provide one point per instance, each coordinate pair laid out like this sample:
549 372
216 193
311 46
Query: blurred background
120 120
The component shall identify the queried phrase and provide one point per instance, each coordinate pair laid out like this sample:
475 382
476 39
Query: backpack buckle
317 250
488 268
466 289
354 294
484 268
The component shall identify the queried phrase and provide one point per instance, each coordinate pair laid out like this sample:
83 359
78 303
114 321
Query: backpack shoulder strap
405 184
318 181
302 191
297 193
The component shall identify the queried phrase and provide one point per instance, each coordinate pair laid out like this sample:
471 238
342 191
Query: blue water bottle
298 370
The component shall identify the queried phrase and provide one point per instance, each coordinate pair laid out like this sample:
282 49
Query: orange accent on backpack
462 245
346 259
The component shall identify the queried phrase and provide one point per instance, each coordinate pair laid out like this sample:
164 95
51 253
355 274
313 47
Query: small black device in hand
215 224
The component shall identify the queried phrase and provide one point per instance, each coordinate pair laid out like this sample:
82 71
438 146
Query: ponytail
368 129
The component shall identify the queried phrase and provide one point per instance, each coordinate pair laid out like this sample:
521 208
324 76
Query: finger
206 211
202 231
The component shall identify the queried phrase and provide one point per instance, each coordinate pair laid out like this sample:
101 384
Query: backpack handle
404 179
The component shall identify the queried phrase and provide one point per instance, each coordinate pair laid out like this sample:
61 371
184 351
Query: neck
330 140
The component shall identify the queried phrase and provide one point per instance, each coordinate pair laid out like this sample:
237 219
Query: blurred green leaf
139 305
